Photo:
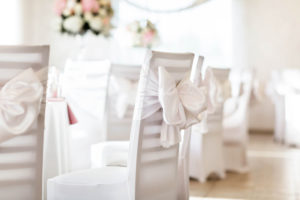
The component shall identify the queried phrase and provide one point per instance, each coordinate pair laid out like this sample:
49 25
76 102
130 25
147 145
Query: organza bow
182 104
20 100
126 92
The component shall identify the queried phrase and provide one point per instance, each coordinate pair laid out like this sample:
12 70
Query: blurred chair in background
206 152
121 96
276 93
235 124
291 85
85 87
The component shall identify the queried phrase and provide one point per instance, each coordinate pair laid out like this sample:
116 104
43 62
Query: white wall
266 36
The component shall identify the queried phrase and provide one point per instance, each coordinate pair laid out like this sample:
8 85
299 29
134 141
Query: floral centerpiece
143 33
80 16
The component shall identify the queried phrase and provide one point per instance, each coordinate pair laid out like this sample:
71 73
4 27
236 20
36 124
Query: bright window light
10 22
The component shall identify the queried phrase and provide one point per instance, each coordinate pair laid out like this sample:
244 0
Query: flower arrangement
143 33
79 16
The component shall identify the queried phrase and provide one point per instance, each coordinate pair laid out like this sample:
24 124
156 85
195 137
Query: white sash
20 102
183 104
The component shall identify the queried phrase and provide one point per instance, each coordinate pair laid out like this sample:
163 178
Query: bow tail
170 135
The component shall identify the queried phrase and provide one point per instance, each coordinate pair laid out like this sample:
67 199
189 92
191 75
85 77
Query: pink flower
90 5
148 37
59 6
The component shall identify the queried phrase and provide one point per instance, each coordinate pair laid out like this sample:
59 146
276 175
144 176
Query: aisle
274 175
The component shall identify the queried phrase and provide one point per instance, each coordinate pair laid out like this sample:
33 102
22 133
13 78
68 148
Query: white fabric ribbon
219 90
183 104
20 100
126 93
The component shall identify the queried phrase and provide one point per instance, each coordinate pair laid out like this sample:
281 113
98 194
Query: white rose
102 12
73 24
96 23
88 16
71 4
78 9
67 12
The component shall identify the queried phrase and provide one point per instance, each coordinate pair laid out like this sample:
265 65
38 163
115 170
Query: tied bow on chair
182 104
126 92
219 90
19 104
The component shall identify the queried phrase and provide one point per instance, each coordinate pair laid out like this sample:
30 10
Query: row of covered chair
216 148
153 170
150 116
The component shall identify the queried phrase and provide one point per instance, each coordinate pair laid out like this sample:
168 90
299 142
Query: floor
274 175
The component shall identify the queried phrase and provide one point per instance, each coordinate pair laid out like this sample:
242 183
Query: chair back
215 118
85 88
244 99
21 157
152 168
121 91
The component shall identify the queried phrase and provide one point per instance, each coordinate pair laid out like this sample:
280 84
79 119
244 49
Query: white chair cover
114 153
276 94
235 128
21 156
118 116
121 97
154 179
284 92
152 168
57 158
291 98
206 149
85 88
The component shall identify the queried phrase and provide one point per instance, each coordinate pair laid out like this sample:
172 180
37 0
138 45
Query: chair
206 149
291 84
235 128
276 94
85 87
21 157
152 169
116 153
118 116
114 150
120 103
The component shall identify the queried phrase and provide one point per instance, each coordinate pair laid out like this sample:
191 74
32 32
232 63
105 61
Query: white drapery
183 104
